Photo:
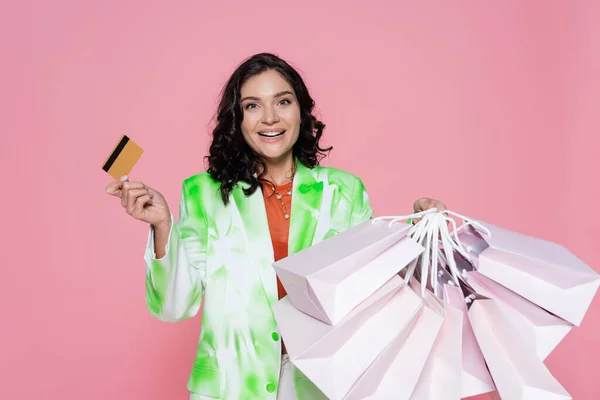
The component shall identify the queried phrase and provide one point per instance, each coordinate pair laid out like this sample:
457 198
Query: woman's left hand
424 204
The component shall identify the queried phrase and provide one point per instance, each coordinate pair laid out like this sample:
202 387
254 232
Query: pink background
489 106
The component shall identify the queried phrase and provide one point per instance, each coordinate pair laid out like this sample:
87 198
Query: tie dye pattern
223 255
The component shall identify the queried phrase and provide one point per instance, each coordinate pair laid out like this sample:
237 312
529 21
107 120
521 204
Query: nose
270 116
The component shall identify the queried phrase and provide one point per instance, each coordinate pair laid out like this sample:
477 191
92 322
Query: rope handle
431 232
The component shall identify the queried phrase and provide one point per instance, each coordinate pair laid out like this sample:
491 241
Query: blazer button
275 336
270 388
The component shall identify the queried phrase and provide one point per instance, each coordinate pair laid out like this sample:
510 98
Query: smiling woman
268 101
271 121
235 220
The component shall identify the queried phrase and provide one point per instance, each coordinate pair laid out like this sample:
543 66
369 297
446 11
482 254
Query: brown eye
250 106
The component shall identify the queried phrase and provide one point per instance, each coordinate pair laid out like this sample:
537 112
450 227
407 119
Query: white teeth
270 134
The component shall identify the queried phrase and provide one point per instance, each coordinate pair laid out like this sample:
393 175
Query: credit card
123 158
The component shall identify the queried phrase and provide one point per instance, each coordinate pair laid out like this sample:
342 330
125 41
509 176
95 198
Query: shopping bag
476 378
329 279
511 358
535 323
395 373
470 377
334 357
441 378
543 272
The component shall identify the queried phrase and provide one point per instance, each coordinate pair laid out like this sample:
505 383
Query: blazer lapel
307 199
307 196
254 219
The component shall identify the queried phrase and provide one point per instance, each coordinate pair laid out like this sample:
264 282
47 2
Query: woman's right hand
141 201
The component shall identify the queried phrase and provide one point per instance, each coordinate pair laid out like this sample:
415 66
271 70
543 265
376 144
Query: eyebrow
283 93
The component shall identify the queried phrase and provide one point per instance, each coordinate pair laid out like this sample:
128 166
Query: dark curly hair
230 159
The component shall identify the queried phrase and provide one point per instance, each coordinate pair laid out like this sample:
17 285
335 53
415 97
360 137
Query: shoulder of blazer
202 179
336 176
201 187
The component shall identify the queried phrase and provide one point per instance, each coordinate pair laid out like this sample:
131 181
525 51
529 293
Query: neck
281 171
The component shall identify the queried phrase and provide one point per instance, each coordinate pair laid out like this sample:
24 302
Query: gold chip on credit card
123 158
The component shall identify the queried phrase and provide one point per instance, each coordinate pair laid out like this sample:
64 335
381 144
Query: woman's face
271 122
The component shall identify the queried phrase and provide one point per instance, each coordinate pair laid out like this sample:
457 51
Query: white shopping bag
329 279
515 367
441 378
476 378
395 373
543 272
535 323
334 357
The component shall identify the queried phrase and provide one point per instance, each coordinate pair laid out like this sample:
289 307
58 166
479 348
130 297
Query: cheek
247 133
248 124
293 117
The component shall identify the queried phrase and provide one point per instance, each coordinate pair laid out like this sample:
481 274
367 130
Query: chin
272 154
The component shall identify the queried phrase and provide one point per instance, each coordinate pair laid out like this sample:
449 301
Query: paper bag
329 279
515 367
476 378
538 325
442 374
334 357
543 272
395 373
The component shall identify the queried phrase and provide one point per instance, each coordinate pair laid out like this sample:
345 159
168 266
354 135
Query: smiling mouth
271 134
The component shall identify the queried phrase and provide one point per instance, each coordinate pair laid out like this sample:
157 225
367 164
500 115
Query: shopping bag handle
431 231
395 218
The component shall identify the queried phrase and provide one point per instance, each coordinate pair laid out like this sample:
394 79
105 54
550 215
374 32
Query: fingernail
124 178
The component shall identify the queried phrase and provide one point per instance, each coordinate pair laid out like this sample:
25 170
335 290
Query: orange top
279 226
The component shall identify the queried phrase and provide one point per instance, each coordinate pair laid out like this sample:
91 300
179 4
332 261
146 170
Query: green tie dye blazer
223 255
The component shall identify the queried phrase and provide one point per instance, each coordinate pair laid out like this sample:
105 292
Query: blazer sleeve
175 283
361 206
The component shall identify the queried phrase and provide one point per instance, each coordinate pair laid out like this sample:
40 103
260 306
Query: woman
262 197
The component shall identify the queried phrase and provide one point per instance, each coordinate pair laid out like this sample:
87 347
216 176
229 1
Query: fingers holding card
115 187
139 200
